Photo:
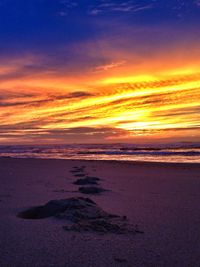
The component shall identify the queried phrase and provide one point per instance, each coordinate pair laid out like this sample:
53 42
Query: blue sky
60 30
46 25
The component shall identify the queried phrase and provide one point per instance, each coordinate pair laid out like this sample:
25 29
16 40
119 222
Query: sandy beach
161 199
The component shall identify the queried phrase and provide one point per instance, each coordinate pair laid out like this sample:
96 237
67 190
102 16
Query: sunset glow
108 90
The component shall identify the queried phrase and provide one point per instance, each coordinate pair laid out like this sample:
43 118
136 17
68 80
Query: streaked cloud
9 100
66 6
110 65
109 112
120 6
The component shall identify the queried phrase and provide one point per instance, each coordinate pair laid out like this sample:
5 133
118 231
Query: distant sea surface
119 152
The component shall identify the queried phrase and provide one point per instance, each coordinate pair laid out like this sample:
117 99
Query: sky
99 71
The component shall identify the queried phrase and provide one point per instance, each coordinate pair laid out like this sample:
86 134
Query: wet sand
161 200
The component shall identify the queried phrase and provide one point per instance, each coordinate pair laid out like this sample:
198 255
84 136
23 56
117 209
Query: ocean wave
150 153
104 152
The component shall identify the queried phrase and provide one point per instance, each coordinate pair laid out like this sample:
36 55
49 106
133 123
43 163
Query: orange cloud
156 98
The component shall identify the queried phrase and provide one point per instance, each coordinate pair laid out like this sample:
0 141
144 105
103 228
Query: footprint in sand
91 190
83 214
87 180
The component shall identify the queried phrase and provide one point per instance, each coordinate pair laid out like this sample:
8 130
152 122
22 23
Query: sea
181 153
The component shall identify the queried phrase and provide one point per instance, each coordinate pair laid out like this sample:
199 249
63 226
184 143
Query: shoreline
109 161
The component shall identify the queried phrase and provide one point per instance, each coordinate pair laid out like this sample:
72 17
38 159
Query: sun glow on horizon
114 108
